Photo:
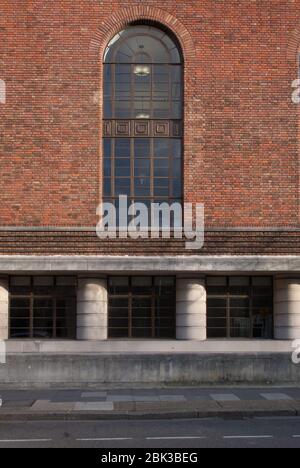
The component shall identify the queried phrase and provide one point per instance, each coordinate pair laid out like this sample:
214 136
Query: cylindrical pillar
191 309
3 309
92 309
287 308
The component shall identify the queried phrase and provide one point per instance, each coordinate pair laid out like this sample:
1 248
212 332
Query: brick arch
116 22
293 46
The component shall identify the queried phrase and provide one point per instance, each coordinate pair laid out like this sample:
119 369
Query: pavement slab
94 406
153 402
224 397
50 406
276 396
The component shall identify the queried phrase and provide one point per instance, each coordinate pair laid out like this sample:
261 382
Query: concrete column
3 309
92 309
191 309
287 308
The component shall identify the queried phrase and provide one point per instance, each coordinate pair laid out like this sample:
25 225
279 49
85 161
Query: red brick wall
241 127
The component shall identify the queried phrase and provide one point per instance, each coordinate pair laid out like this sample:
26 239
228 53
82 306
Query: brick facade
241 141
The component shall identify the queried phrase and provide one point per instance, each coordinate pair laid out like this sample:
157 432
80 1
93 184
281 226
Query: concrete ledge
211 346
109 264
76 370
181 414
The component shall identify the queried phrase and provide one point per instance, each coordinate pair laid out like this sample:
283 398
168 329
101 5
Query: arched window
142 116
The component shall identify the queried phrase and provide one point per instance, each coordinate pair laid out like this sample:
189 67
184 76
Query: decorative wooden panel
122 128
107 128
142 128
161 128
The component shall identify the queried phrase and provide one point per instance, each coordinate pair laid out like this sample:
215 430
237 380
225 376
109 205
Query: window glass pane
216 322
141 109
141 333
141 281
249 310
16 332
262 324
145 43
123 83
216 281
142 147
122 167
107 187
176 112
118 285
107 167
165 285
122 186
148 317
216 302
161 147
107 109
142 87
262 281
122 147
143 287
20 284
216 333
107 147
161 167
239 281
262 302
107 81
239 302
19 323
142 186
177 168
161 110
20 280
176 188
240 328
122 109
43 281
66 281
118 332
142 167
48 299
213 312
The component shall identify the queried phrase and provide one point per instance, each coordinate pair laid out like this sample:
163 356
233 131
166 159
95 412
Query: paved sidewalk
180 402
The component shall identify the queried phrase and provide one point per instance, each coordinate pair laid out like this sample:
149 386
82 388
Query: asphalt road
201 433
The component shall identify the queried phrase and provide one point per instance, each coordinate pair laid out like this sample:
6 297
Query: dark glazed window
42 307
141 307
142 117
239 307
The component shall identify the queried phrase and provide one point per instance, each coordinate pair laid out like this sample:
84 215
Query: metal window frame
152 296
227 296
32 296
170 197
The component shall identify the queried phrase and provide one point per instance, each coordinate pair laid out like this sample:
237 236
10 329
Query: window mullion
130 310
228 310
251 309
153 309
31 314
